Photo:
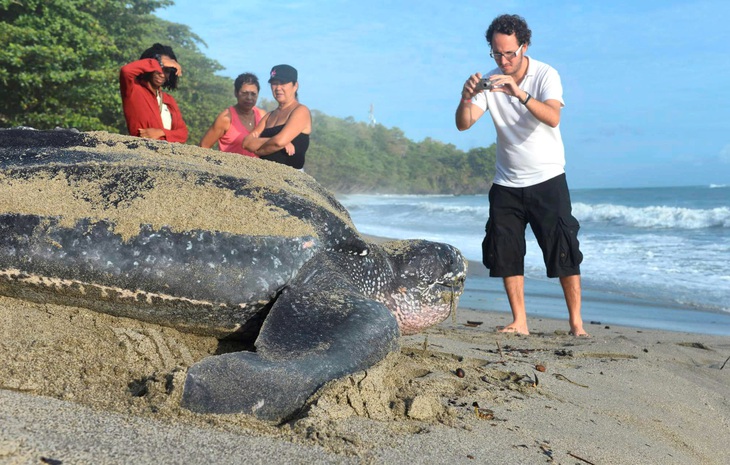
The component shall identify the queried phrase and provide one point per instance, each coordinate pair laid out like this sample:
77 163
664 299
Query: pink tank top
232 140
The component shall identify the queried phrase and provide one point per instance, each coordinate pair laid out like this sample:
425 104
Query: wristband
158 57
527 99
466 100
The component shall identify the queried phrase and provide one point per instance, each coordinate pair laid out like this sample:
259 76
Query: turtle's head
428 278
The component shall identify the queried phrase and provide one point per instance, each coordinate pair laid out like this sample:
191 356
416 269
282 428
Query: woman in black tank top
282 135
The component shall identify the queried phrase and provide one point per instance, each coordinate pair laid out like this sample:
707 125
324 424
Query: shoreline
544 299
626 395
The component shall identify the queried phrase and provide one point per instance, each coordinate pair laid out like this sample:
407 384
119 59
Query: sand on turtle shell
186 203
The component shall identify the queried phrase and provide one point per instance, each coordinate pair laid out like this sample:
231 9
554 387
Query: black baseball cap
283 74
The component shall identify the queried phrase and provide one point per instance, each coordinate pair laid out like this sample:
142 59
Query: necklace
248 120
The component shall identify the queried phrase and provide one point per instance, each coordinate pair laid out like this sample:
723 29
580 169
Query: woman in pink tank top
234 123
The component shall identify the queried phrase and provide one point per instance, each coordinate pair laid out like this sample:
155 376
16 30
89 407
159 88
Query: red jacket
140 104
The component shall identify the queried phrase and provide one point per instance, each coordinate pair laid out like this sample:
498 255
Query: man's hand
470 86
506 84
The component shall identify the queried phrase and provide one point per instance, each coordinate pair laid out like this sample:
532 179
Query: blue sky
646 83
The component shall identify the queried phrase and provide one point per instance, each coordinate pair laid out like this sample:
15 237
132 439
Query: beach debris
565 378
593 322
723 365
516 378
482 413
425 343
460 373
51 461
454 303
546 449
540 368
473 323
580 458
609 355
564 353
694 345
509 350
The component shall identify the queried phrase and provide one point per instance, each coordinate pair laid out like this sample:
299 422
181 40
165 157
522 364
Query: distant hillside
348 157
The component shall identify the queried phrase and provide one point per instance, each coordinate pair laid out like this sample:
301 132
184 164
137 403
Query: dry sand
82 387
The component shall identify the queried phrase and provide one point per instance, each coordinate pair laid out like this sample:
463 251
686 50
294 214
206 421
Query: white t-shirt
528 152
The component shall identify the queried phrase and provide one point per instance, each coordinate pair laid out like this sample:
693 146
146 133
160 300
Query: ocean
655 258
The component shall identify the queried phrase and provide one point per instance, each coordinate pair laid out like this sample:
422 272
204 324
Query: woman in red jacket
150 112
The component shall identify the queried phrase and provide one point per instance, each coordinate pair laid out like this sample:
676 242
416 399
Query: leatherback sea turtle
217 244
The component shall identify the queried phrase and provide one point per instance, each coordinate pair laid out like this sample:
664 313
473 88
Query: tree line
59 67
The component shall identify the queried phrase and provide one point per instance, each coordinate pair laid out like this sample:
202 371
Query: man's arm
547 112
467 113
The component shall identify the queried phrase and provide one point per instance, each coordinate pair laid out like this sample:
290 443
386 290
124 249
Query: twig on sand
501 355
453 305
565 378
723 365
580 458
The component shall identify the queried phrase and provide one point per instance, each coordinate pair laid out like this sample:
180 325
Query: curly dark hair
246 78
159 49
508 25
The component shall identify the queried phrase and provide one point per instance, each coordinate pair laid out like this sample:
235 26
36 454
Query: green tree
347 156
56 63
60 60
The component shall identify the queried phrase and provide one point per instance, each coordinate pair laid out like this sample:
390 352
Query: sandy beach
81 387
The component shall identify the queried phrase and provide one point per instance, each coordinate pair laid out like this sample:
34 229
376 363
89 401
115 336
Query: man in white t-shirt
524 98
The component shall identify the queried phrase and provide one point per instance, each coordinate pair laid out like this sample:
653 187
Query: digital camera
486 84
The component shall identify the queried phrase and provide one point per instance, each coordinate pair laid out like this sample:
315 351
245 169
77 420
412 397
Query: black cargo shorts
547 209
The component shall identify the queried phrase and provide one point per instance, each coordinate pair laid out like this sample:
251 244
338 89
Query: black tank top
301 144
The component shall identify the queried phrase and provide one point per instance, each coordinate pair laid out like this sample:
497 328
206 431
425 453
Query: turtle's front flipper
307 340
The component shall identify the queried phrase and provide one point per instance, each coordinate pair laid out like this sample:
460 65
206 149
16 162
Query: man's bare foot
579 332
514 329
